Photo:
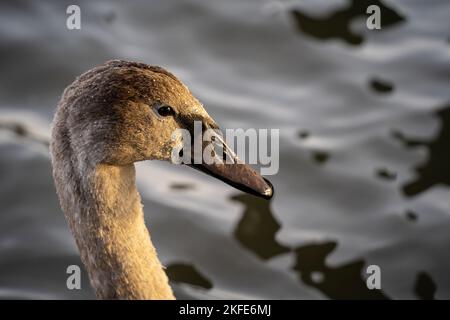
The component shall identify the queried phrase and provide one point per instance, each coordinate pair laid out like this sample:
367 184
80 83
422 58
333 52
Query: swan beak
236 173
239 175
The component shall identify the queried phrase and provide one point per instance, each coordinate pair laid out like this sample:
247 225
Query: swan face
123 112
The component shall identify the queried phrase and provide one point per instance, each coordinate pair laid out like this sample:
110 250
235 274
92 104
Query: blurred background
364 119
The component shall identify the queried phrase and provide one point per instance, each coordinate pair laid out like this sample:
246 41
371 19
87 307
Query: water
364 136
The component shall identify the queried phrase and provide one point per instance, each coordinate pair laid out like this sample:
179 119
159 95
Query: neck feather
114 243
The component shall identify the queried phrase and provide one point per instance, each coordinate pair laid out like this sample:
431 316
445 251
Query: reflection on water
320 157
256 231
381 86
186 273
411 215
257 228
436 169
337 24
341 282
182 186
303 134
386 174
425 288
22 131
109 17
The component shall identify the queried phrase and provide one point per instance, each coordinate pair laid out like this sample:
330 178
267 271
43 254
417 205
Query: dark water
364 119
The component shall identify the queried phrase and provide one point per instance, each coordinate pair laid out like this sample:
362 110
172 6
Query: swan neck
113 240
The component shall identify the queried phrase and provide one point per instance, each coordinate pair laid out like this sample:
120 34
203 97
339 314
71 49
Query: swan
110 117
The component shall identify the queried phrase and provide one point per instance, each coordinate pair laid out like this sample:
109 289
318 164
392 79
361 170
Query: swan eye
165 111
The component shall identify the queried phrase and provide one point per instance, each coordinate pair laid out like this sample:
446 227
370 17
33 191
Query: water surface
364 144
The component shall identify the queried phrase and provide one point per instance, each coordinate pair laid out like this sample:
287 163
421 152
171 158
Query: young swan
108 118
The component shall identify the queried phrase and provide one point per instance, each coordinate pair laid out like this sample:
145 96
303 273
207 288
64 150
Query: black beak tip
269 191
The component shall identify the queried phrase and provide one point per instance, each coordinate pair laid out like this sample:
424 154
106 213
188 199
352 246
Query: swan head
123 112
